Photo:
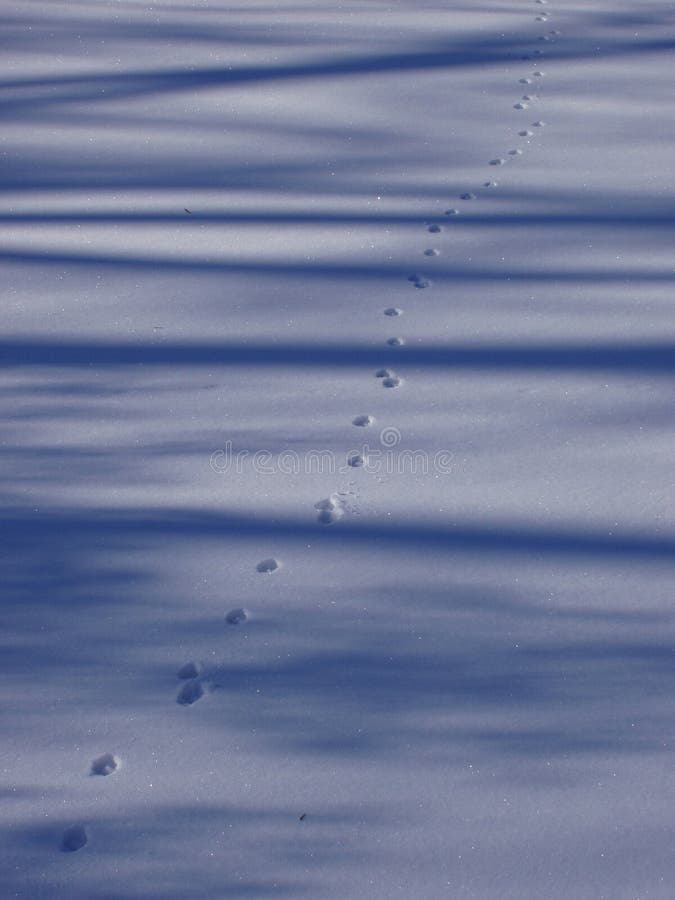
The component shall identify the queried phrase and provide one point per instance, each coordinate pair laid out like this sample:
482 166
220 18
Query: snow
337 477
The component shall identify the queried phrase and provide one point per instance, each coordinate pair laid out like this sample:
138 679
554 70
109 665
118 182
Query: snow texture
457 684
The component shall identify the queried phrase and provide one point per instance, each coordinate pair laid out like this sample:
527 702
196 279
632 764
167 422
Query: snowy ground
460 688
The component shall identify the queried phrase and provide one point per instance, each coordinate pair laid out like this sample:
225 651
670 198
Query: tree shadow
239 853
433 54
97 614
456 665
650 358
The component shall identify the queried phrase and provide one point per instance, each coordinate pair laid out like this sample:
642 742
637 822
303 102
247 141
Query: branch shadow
648 357
431 671
461 665
155 857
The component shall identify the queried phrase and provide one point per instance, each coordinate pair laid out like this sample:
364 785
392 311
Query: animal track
74 838
105 764
236 616
393 381
330 510
189 670
190 692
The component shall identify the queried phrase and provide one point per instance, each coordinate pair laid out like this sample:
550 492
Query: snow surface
456 679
